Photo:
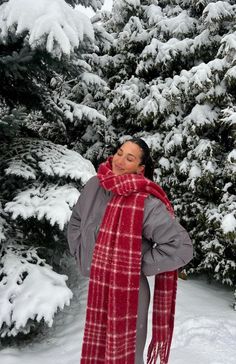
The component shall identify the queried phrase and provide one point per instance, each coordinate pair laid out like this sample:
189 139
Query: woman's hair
146 158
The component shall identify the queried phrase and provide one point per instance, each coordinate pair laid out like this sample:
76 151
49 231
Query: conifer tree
46 83
173 83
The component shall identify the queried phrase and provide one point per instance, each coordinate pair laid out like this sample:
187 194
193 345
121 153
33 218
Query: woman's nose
120 160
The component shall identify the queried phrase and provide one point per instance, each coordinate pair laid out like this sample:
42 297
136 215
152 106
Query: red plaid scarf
110 328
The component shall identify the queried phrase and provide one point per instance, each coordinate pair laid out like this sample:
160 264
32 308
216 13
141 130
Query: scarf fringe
156 349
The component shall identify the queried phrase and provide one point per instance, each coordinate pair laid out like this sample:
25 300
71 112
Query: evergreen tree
46 83
171 72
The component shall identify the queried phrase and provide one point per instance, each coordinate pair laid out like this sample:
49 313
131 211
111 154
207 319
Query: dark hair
146 158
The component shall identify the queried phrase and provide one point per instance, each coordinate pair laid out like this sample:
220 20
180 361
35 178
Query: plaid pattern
163 316
110 328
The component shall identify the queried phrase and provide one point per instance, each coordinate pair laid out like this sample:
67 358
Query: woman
131 221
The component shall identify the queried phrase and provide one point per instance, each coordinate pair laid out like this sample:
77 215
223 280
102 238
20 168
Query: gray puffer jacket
166 245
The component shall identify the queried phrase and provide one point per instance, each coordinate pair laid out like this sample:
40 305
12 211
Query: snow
195 171
90 79
179 25
53 203
154 14
205 328
205 38
229 114
220 10
208 166
154 103
164 52
184 166
127 93
29 282
80 112
164 162
152 140
19 168
107 6
228 223
231 161
231 158
204 147
202 115
52 160
228 45
52 24
174 138
172 48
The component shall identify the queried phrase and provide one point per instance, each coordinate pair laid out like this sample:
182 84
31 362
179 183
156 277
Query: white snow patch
53 202
52 24
228 223
205 329
195 171
164 162
29 290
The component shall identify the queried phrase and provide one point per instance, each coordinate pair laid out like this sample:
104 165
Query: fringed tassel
154 350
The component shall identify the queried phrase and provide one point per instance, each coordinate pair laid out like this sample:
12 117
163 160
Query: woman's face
127 159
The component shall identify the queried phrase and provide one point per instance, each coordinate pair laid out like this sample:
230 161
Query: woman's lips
120 169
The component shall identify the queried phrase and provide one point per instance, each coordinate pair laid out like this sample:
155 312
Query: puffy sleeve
73 230
169 245
80 214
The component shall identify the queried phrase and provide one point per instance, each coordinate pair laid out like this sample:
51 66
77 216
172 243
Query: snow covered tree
39 186
171 72
43 101
44 52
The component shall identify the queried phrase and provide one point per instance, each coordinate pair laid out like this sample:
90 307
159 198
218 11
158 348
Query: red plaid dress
110 328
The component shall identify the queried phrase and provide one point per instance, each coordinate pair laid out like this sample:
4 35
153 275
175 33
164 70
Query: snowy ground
205 329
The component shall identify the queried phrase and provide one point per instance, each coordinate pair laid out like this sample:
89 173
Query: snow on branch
201 115
201 80
126 95
228 47
205 39
217 12
184 166
119 5
231 162
172 140
181 25
202 77
32 157
153 140
54 203
77 112
229 115
90 80
159 53
51 24
225 213
134 31
230 76
21 169
38 199
153 104
204 148
30 291
154 14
